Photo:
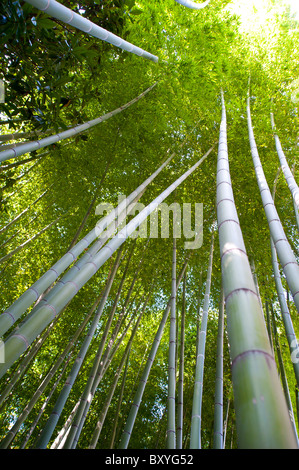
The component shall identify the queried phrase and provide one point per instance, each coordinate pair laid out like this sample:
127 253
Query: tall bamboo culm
126 435
218 410
285 254
38 144
64 14
195 435
171 398
262 416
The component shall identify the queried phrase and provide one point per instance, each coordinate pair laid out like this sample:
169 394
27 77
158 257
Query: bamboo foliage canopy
149 225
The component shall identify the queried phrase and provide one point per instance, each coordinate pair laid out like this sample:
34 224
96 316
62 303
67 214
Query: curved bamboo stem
38 144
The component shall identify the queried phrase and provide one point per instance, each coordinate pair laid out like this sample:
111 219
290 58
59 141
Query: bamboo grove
149 226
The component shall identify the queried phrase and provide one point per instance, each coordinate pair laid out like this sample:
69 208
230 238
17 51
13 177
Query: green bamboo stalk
99 425
28 408
17 344
56 365
293 187
96 372
38 144
110 350
285 313
63 396
180 407
283 373
60 12
226 423
14 312
59 441
218 410
21 214
193 5
25 363
195 436
262 416
44 405
119 403
285 254
171 408
29 240
90 208
125 438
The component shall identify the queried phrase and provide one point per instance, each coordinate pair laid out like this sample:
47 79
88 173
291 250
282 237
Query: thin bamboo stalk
285 254
57 410
283 373
218 410
262 416
59 441
125 438
29 240
119 403
293 187
96 373
38 144
14 312
60 12
285 313
195 436
171 408
226 423
21 214
193 5
55 366
44 405
99 425
17 344
180 407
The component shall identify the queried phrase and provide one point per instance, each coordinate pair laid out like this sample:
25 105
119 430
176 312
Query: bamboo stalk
180 407
283 373
195 436
285 254
262 416
171 408
14 312
60 12
56 412
293 187
119 403
99 425
53 369
29 240
193 5
17 344
38 144
218 410
125 438
96 372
